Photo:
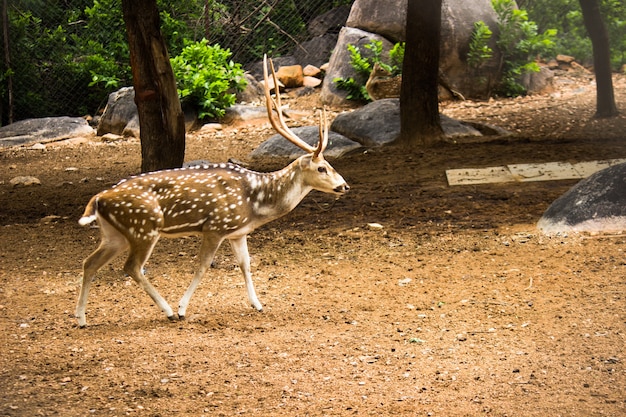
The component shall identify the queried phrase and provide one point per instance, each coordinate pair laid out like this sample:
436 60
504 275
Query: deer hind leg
111 245
207 253
140 251
240 249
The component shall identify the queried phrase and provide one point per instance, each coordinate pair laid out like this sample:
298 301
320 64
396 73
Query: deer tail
89 215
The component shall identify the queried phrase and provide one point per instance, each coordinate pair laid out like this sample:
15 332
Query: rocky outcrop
371 19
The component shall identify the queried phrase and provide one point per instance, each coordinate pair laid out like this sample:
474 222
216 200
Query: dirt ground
455 306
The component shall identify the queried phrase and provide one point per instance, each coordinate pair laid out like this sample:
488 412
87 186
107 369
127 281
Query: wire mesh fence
64 57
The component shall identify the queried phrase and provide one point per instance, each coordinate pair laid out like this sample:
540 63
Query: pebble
24 181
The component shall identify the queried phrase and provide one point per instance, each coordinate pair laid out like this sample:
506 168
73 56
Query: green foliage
206 75
356 91
572 38
359 63
67 56
67 59
363 66
519 43
479 50
396 54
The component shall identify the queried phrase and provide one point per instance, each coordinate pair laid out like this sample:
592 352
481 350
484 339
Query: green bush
364 65
519 43
206 78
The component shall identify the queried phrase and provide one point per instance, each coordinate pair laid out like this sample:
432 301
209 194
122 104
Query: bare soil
456 306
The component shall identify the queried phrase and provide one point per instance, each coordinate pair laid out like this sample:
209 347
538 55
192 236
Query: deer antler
323 133
279 123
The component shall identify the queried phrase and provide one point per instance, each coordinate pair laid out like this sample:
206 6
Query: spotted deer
217 201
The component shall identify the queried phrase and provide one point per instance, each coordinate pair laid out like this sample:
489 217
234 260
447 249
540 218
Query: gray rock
455 129
253 92
118 113
538 82
132 128
330 22
457 26
42 130
315 51
243 112
595 204
278 146
372 125
378 123
386 18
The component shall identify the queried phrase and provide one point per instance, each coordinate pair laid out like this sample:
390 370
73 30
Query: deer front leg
207 252
240 249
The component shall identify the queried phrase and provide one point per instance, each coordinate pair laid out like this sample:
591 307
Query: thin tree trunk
7 62
420 124
605 99
161 119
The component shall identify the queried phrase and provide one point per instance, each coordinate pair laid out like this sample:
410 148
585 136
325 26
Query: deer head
320 175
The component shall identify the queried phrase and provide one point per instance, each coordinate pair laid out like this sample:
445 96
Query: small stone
49 219
290 75
111 137
24 181
404 282
210 128
311 71
311 82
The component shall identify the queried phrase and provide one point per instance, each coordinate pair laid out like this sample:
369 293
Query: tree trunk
7 63
161 119
420 124
605 99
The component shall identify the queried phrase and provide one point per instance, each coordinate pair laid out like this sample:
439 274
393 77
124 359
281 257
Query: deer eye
322 170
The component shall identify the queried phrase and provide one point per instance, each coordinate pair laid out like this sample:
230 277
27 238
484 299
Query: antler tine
323 133
280 126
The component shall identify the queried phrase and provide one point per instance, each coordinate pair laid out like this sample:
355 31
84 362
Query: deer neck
277 193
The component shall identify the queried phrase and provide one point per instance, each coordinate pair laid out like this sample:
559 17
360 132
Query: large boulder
387 20
595 204
378 123
42 130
